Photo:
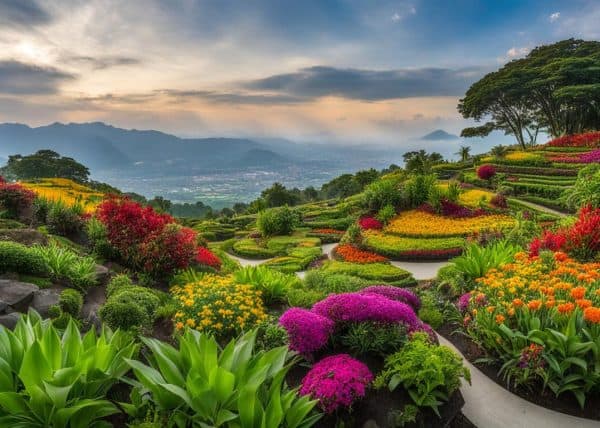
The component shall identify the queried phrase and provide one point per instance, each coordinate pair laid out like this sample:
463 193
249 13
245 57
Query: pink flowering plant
307 331
337 382
395 293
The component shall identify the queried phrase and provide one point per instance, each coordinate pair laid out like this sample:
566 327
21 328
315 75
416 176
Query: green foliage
272 284
372 271
327 283
64 220
97 236
586 189
523 231
201 385
277 221
372 338
54 379
46 164
430 373
10 224
66 265
130 308
303 297
418 189
117 283
386 213
431 316
477 260
270 335
381 193
18 258
71 302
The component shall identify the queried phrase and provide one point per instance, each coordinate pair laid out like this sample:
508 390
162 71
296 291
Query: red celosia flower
587 139
14 198
206 257
486 172
367 223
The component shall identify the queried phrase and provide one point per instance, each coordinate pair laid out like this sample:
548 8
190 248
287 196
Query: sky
345 71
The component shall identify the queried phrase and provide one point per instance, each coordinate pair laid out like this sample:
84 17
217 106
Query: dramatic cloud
369 85
17 78
22 13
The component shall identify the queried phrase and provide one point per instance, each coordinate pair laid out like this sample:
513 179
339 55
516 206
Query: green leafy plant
477 260
272 284
59 380
200 385
373 338
430 373
277 221
70 302
67 265
130 308
386 213
18 258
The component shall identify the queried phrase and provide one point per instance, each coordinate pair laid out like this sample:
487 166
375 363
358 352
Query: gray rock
10 320
94 299
17 295
44 299
24 236
102 274
3 307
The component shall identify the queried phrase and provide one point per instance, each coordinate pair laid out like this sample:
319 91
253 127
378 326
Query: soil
565 403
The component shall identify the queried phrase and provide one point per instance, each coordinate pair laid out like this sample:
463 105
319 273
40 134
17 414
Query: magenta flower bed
307 331
367 223
336 381
358 307
395 293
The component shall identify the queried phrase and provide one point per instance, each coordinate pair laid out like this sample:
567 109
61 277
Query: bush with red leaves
486 172
15 199
587 139
207 258
551 241
499 201
367 223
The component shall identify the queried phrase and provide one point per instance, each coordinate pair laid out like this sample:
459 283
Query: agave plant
477 260
273 285
66 264
200 385
59 380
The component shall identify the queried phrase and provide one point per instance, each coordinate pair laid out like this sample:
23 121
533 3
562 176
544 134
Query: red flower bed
588 139
15 199
367 223
208 258
486 172
350 253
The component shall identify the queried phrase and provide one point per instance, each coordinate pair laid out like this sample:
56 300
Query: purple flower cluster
395 293
463 302
358 307
307 331
425 328
336 381
590 157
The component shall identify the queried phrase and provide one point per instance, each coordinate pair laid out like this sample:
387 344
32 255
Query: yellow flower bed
420 223
521 156
217 304
67 191
472 197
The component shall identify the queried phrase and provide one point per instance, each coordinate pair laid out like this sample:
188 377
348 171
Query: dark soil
565 403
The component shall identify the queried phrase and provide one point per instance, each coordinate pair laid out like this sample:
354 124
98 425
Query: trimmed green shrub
18 258
270 335
71 302
431 316
130 308
386 213
373 338
381 193
277 221
371 271
118 282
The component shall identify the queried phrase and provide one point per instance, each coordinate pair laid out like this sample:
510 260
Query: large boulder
10 320
44 299
102 274
24 236
17 295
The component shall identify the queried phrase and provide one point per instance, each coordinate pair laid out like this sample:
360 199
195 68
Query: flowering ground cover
588 139
353 254
417 223
67 191
400 247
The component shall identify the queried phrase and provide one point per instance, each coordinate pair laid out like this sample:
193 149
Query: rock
370 424
17 295
94 299
24 236
10 320
3 307
102 274
44 299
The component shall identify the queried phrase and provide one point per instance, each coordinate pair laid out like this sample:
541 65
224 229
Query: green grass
37 280
396 246
371 271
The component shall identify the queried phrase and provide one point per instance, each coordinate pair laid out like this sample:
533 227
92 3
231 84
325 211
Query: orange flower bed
350 253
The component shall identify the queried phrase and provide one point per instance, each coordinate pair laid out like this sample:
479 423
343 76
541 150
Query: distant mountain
261 158
102 146
439 135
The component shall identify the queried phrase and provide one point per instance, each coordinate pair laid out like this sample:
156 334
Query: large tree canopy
554 89
45 164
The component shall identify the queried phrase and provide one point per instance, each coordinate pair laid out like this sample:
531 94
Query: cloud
369 85
18 78
22 13
554 17
517 52
409 10
396 17
101 62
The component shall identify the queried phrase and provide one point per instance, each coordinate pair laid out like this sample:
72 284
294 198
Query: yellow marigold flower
500 319
534 305
592 314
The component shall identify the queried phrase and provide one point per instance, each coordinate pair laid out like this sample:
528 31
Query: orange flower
500 319
550 303
518 303
534 305
578 292
592 315
560 257
565 308
350 253
583 303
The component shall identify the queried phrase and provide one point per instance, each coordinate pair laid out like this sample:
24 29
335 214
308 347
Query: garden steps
488 405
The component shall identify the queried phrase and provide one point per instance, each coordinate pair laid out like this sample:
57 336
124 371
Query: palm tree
499 151
464 153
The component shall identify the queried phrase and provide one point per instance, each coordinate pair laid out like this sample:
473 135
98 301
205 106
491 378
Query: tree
465 153
160 204
310 193
365 177
554 89
420 162
45 164
277 195
240 207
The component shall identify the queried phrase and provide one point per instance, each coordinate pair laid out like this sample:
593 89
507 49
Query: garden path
539 207
489 405
421 270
